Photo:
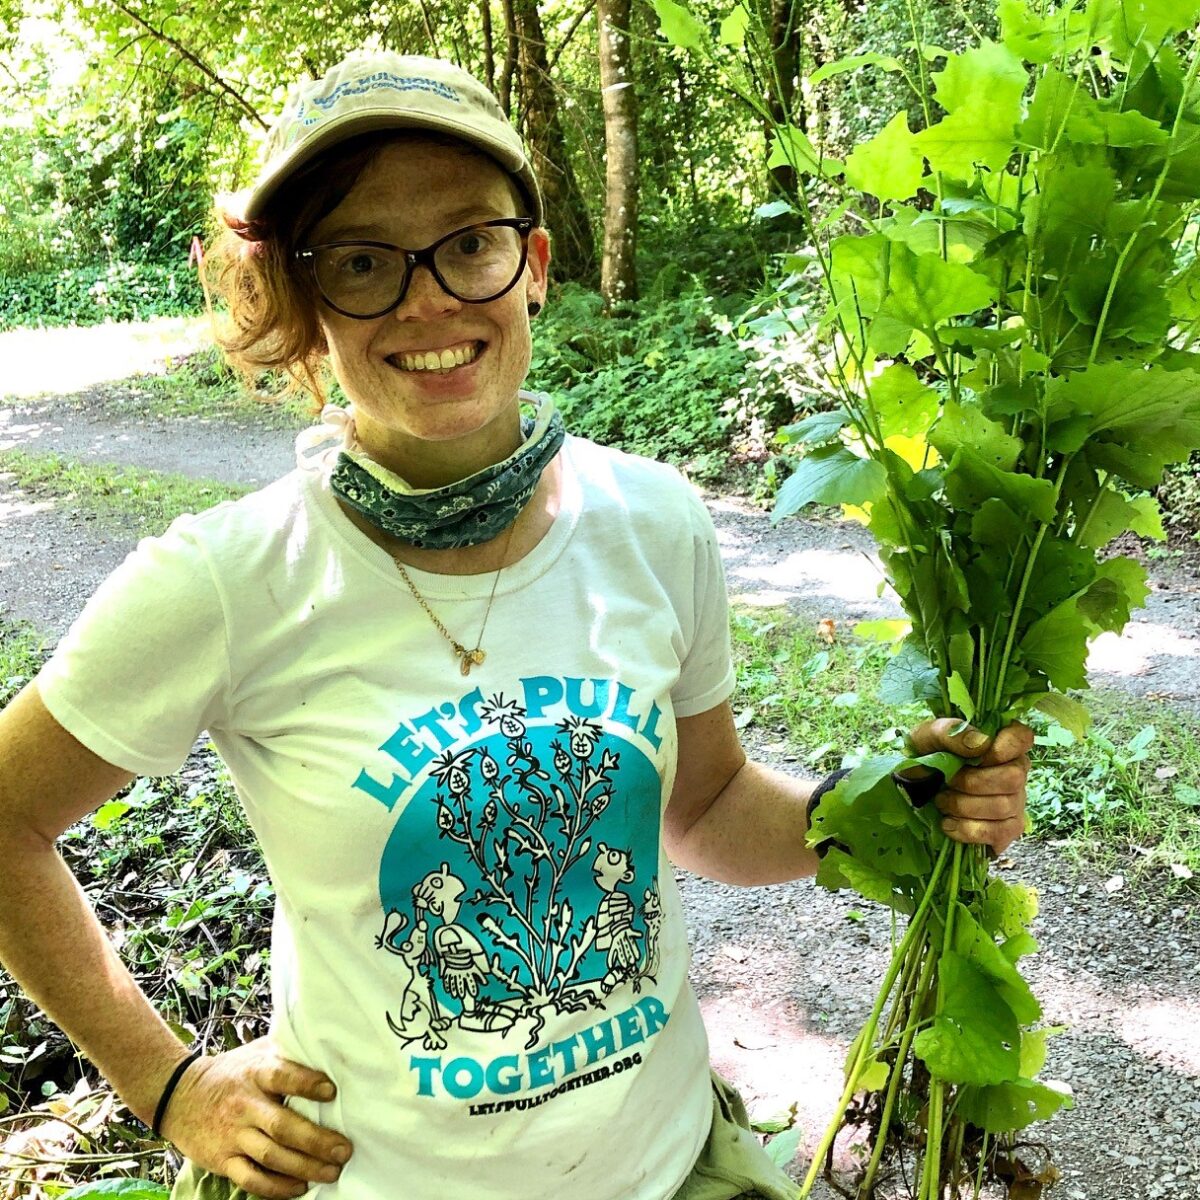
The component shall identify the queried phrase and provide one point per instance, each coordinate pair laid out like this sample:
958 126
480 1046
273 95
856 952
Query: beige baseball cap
370 91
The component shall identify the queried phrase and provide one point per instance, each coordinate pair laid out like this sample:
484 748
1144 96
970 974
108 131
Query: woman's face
432 426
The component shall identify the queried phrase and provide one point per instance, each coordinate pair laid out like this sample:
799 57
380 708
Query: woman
471 680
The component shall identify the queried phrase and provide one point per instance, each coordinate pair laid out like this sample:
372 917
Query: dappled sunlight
809 574
777 1060
1135 651
37 362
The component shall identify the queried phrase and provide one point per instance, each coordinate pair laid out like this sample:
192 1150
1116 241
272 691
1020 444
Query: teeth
431 360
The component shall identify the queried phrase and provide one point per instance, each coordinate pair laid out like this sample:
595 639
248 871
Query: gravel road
785 973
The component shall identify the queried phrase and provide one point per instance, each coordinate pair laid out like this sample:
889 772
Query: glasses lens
479 262
361 280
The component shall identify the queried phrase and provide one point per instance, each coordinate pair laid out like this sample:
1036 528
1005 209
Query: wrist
164 1100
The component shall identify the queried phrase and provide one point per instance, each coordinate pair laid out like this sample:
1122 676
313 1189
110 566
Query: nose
425 298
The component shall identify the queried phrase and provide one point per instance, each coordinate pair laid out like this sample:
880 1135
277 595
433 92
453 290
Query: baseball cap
370 91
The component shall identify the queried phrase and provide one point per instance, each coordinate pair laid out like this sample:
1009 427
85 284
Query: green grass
22 652
115 496
1132 786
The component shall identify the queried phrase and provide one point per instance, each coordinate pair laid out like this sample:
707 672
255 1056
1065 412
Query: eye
359 263
472 242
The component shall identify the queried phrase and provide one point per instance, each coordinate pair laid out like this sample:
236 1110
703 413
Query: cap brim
276 174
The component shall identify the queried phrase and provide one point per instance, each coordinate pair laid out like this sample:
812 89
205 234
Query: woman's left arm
740 822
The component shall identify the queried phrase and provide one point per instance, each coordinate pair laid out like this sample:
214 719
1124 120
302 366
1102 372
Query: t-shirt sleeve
706 677
145 667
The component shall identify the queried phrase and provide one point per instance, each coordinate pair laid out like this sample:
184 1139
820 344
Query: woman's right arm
227 1113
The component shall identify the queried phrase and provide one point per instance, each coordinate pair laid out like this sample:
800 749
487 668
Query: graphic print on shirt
520 882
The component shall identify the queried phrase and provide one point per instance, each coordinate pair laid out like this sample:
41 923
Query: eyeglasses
368 279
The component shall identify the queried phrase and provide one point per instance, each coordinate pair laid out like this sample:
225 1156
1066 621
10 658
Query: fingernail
325 1091
950 825
330 1174
975 740
341 1154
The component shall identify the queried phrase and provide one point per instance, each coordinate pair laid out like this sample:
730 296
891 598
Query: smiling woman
471 680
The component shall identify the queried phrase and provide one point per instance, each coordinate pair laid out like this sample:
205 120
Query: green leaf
679 26
1056 645
873 1077
971 480
839 870
109 814
1066 710
782 1148
890 166
791 147
924 289
965 425
975 1038
981 91
816 430
1006 1107
1137 419
1033 1048
843 65
977 947
830 475
1114 513
1040 39
733 27
908 676
127 1189
902 402
960 696
1062 570
883 630
1120 587
1008 907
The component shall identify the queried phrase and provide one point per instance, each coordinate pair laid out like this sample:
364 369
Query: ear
539 265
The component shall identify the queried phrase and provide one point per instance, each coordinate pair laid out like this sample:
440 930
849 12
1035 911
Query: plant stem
914 932
914 1022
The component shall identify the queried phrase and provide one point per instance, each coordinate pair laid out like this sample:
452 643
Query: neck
432 464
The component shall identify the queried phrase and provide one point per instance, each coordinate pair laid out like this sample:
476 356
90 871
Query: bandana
466 513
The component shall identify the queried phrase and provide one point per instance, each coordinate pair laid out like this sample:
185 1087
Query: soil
785 974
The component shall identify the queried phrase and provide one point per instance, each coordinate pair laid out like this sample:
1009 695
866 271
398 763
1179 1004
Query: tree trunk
566 214
489 51
618 270
509 67
785 27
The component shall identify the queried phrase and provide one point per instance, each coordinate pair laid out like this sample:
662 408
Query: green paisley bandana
466 513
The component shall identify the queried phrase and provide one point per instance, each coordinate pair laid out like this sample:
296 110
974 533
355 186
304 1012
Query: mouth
437 362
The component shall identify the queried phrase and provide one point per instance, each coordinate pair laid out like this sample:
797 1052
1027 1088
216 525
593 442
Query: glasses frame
421 258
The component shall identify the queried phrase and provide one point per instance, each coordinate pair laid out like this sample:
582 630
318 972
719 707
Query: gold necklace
467 658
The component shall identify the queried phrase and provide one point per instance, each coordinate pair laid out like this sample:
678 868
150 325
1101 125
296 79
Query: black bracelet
922 789
169 1091
823 789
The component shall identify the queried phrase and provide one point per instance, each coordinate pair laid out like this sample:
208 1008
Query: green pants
732 1165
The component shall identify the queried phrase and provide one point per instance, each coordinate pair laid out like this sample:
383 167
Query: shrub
653 382
118 291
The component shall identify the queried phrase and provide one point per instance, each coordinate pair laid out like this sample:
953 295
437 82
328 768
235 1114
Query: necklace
466 658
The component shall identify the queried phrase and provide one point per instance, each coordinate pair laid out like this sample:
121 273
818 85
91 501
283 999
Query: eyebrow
454 220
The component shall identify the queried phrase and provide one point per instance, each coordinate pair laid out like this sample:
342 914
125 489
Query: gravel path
785 973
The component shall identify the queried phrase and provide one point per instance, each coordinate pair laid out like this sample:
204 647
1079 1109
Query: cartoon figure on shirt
614 917
652 916
418 1017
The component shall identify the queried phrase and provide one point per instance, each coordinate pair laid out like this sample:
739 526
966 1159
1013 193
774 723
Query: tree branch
188 56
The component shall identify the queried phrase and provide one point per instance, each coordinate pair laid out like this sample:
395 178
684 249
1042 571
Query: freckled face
412 194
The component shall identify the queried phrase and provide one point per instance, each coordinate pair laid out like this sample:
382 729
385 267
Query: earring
534 308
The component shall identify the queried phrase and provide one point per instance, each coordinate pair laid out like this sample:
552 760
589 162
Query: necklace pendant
470 658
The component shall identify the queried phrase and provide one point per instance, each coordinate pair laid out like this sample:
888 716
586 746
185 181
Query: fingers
1009 777
282 1077
997 834
294 1133
947 733
280 1160
256 1181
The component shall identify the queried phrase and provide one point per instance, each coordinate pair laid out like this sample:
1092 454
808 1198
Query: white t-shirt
477 933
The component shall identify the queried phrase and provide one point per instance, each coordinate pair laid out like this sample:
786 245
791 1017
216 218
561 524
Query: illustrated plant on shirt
530 833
